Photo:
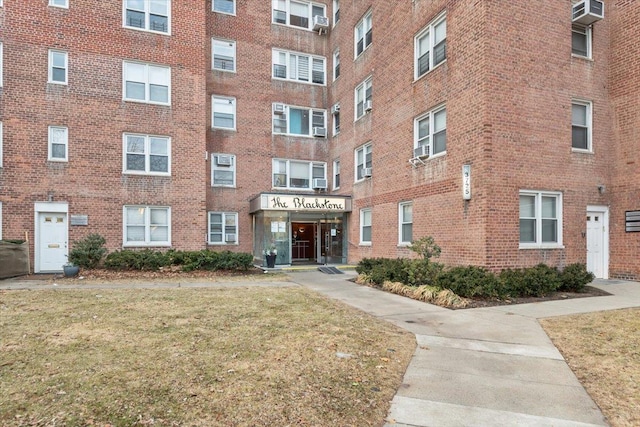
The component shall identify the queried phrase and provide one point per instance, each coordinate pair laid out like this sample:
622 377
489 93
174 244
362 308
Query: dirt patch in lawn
197 357
603 350
589 291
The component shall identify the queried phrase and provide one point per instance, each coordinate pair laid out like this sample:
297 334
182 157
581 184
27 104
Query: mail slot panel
54 245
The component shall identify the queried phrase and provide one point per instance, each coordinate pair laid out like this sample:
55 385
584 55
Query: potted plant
270 254
70 269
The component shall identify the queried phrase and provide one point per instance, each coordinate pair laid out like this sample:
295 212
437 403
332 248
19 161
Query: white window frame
229 101
293 69
588 106
364 213
279 119
230 44
430 31
146 153
360 32
147 18
336 12
361 98
52 53
147 242
431 116
287 12
213 8
538 196
336 174
336 64
588 35
367 151
216 167
336 122
53 3
277 173
223 233
402 221
146 81
65 143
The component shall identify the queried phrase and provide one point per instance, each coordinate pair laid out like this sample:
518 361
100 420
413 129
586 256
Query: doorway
598 241
51 237
303 241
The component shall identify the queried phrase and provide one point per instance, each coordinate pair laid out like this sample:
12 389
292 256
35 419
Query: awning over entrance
300 203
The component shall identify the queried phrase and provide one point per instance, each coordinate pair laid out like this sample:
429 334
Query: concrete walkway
482 367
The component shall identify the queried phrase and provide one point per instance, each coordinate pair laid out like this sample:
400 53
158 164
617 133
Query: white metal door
596 244
52 240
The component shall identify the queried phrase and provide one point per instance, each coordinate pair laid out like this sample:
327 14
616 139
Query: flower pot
70 270
271 260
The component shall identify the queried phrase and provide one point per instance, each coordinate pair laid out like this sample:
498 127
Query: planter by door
70 270
271 260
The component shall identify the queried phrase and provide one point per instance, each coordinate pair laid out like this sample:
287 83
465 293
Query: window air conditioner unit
366 172
230 238
320 22
421 151
335 109
368 105
223 160
320 132
319 183
587 12
278 108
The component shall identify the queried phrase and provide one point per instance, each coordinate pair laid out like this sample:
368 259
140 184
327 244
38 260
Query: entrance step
329 270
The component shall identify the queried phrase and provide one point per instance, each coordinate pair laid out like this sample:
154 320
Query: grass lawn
194 357
603 349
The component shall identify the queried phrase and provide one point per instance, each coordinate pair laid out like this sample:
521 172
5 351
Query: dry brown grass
603 349
194 357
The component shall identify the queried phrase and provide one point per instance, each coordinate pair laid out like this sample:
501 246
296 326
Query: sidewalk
490 366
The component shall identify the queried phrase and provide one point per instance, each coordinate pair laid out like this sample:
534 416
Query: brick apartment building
333 130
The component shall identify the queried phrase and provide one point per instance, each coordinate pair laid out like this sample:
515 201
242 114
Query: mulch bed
589 291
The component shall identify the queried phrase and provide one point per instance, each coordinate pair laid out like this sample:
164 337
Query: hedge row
188 260
477 282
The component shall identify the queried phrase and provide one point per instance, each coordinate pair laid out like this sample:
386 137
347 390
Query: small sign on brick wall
79 219
632 221
466 182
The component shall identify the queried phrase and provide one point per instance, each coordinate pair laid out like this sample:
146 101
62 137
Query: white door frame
41 207
604 210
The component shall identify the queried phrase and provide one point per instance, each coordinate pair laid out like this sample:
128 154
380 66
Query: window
298 67
223 170
223 228
296 13
56 3
363 94
58 144
58 64
336 121
147 83
405 227
430 130
147 154
223 53
430 46
336 174
224 112
363 160
336 11
540 219
581 40
151 15
297 174
336 64
363 35
225 6
365 226
291 120
581 125
147 226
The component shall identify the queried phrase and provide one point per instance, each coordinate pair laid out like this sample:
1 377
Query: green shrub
189 260
88 252
536 281
146 259
419 272
13 241
471 282
575 277
425 247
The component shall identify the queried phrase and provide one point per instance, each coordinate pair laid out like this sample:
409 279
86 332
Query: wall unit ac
230 238
319 183
320 132
278 108
320 22
335 109
223 160
587 12
366 172
421 151
368 105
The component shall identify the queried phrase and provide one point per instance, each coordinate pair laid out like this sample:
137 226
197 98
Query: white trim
604 210
401 205
220 42
146 82
65 143
336 165
147 226
224 233
287 11
361 225
147 20
232 101
147 155
291 73
286 117
589 124
224 13
364 150
64 6
230 168
538 244
367 16
42 207
428 29
364 85
589 38
51 67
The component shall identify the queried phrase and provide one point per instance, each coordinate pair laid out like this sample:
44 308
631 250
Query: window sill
222 244
534 246
224 71
142 101
404 245
221 128
58 83
366 244
356 56
140 173
292 189
58 160
222 186
147 245
224 13
420 77
278 79
295 27
586 58
144 30
580 150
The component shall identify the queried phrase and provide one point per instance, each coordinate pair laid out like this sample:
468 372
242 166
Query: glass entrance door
331 242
